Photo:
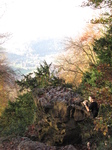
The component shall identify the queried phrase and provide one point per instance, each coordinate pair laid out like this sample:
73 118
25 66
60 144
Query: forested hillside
48 107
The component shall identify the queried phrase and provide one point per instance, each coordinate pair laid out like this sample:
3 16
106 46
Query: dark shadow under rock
73 134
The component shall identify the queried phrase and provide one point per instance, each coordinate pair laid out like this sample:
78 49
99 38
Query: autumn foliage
86 64
7 82
78 56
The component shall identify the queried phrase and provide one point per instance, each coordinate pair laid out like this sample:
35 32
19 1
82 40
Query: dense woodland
86 68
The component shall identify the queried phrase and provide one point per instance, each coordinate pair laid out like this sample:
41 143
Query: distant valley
35 54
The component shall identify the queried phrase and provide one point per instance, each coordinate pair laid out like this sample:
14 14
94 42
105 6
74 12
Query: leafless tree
78 56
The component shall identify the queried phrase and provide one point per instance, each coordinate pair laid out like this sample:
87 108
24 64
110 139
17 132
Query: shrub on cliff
17 116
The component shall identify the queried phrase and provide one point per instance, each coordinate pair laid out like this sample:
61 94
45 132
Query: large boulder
34 145
24 143
58 111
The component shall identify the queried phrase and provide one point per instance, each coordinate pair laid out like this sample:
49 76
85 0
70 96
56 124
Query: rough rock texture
58 111
33 145
69 147
51 95
24 143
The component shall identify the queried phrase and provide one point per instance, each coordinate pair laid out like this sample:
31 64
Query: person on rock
93 106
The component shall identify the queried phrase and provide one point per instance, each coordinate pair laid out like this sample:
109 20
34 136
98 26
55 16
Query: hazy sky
30 20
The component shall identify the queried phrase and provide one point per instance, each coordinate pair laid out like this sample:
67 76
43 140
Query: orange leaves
79 55
91 32
7 83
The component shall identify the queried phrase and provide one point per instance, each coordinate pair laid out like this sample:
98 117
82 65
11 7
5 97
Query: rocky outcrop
49 97
33 145
58 111
24 143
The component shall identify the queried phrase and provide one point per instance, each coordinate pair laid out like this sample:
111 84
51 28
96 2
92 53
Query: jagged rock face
58 110
51 95
62 98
